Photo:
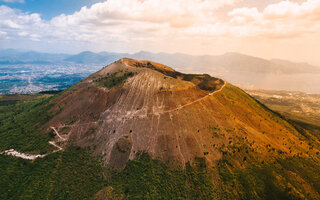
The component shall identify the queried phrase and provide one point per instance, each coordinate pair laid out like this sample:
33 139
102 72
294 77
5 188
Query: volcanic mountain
136 105
157 134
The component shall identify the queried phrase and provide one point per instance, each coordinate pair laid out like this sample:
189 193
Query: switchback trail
26 156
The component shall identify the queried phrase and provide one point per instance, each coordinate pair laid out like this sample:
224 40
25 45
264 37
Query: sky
285 29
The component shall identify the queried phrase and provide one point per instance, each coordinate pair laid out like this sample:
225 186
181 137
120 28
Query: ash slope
135 105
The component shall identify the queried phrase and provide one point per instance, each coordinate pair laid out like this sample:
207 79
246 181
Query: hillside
301 107
150 125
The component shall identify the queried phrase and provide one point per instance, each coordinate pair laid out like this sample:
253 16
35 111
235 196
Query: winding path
26 156
56 132
166 111
197 100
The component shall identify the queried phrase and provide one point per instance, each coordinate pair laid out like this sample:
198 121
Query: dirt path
195 101
12 152
56 132
166 111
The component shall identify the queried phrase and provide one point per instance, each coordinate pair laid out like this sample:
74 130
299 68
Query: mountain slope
133 106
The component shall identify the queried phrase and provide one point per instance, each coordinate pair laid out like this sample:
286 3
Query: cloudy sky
265 28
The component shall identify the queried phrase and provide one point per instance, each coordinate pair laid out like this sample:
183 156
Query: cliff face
133 105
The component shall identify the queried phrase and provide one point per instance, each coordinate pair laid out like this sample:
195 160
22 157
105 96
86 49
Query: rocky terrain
175 117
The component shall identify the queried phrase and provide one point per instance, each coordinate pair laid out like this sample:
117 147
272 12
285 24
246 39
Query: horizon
170 53
274 29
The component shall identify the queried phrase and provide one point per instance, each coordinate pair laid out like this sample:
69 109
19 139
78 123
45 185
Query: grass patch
114 79
277 180
21 122
72 174
147 178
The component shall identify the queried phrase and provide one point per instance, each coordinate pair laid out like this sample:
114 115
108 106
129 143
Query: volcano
137 129
136 106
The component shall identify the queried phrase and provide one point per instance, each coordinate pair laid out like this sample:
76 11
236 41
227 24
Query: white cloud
166 25
283 19
18 24
179 13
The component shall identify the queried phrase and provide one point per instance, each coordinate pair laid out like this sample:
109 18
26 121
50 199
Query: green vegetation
75 174
20 123
72 174
313 129
277 180
146 178
114 79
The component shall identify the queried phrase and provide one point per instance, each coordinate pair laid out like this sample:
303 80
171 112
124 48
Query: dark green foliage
72 174
270 180
146 178
313 129
198 183
75 174
307 168
114 79
260 181
20 125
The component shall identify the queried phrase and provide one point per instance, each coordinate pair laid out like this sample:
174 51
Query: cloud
2 33
179 13
165 25
16 23
12 1
282 19
137 19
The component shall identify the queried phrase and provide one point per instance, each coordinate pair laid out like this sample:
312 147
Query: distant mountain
298 67
88 57
229 62
11 56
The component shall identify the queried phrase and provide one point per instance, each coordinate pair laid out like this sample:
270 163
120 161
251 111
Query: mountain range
220 63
